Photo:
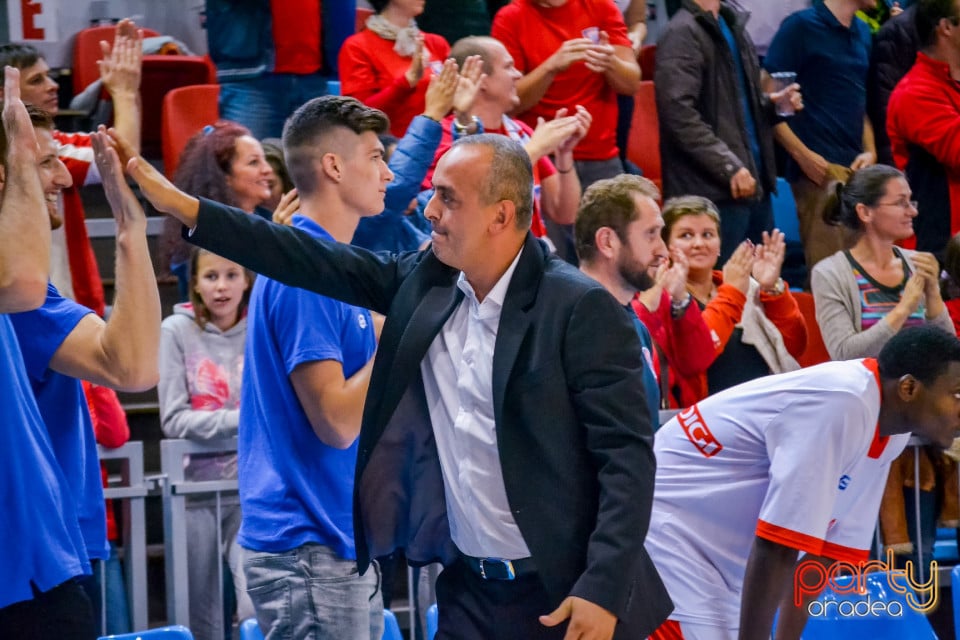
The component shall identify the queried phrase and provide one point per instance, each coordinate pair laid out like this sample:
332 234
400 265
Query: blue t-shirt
64 410
39 532
293 488
831 63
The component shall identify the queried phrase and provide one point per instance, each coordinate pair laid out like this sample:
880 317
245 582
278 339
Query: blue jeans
118 611
263 104
311 593
742 220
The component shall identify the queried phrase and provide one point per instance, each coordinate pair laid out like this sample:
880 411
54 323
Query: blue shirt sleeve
41 332
305 325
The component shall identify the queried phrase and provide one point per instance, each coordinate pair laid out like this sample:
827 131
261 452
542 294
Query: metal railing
132 491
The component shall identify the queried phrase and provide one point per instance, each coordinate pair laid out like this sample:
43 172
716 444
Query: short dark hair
473 46
609 203
39 118
682 206
205 161
923 352
18 55
510 176
927 17
866 186
304 129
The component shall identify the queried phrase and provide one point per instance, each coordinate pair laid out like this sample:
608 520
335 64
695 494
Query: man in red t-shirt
556 186
572 52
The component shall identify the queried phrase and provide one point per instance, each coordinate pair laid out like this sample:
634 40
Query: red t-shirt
532 34
542 170
297 27
372 72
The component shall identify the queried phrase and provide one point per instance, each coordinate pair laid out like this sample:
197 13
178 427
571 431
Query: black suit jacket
573 431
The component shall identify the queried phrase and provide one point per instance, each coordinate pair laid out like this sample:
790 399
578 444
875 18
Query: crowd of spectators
863 132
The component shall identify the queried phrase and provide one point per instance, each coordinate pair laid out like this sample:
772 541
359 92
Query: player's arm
24 226
122 352
793 618
120 70
333 404
766 582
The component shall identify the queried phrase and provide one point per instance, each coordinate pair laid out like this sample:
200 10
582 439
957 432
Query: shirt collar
499 291
300 221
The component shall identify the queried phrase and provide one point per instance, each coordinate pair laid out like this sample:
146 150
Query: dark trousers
472 608
62 613
742 220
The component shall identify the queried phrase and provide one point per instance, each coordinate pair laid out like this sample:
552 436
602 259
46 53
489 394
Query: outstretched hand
768 259
159 191
440 92
588 621
125 206
122 64
468 84
21 139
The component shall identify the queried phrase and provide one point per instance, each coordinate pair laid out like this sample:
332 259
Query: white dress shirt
458 381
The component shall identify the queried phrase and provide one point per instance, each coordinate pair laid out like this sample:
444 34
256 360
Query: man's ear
505 216
908 388
606 240
332 166
3 177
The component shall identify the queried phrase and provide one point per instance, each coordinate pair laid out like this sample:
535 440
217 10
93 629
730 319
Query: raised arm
120 70
120 353
24 225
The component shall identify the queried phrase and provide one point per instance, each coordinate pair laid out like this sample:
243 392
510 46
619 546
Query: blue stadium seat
391 628
250 630
333 87
893 621
175 632
432 621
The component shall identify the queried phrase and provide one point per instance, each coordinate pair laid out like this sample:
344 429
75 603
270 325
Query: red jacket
923 122
685 341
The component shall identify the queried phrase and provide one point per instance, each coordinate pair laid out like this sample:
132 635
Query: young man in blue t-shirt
41 538
308 363
63 342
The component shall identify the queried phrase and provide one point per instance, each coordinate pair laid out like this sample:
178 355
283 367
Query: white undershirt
458 381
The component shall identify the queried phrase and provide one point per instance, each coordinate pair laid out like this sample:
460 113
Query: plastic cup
782 80
592 34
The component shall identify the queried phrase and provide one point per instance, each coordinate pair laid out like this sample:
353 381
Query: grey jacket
703 134
837 297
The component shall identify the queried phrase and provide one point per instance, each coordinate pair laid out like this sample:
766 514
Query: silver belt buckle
506 564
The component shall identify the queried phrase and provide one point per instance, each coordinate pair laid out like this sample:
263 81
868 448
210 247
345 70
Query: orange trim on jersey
789 538
669 630
846 554
879 442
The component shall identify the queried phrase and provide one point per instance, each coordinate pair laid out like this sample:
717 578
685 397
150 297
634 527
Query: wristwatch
464 130
777 290
677 309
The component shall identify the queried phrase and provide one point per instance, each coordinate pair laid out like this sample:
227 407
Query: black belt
500 569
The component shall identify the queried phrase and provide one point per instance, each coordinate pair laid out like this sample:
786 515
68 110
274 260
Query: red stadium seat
647 60
162 74
816 352
86 53
185 111
643 145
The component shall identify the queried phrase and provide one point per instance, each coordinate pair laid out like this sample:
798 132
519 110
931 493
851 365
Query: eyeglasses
904 204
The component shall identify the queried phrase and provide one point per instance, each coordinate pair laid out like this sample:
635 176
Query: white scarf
406 37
